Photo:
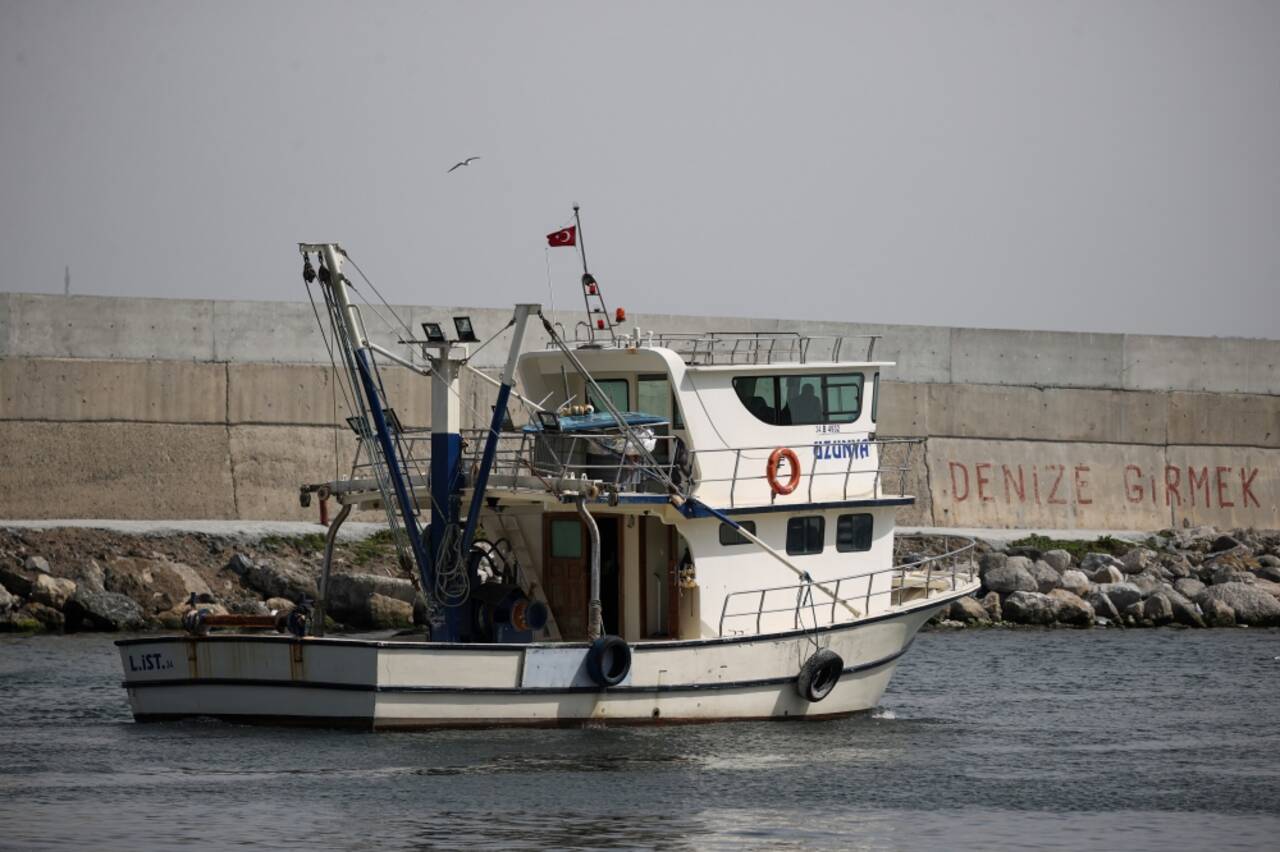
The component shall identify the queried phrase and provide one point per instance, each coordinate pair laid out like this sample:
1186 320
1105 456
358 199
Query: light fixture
433 331
466 334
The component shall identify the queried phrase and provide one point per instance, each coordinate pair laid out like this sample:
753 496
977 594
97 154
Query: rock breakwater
1183 578
74 579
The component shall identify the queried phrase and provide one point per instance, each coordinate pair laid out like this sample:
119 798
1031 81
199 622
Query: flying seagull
465 162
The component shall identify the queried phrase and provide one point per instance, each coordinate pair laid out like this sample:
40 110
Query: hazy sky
1103 166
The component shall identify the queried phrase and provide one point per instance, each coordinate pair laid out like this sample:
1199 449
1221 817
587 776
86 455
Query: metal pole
330 539
582 243
595 626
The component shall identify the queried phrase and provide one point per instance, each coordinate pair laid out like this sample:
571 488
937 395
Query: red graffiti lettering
955 486
1201 481
1062 469
1020 488
1035 483
1223 502
1172 481
1245 487
1133 488
1081 485
982 481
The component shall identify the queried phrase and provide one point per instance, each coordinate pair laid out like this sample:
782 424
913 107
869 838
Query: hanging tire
609 660
819 675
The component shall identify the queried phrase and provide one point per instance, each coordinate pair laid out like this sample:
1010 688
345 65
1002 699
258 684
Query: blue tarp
600 421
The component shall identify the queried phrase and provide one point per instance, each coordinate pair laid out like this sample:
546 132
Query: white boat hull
396 685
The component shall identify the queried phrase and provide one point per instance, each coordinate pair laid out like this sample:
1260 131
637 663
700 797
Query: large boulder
1014 575
51 591
1123 595
1189 587
1251 606
1106 574
387 613
88 574
1059 560
1075 582
103 611
968 611
1030 608
1071 609
1047 579
351 597
280 580
991 603
1223 542
1147 583
1230 572
1093 561
46 617
1102 605
1157 609
1185 612
1217 613
37 564
7 600
156 584
1177 566
1136 560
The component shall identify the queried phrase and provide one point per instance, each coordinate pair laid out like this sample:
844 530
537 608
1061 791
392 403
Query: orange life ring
771 472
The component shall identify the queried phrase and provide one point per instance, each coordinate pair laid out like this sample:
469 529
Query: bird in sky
465 162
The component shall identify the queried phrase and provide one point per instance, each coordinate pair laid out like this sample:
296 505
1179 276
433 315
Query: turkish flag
566 237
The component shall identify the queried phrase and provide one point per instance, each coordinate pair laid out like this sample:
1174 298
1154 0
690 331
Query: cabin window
616 390
566 539
804 535
853 533
654 396
875 395
794 400
729 536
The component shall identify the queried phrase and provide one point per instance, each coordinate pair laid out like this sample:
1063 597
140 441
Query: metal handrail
961 569
742 347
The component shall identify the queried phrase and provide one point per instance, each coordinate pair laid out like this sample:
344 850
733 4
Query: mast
367 383
592 296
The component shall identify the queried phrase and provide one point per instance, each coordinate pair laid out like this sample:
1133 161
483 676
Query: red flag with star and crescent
564 237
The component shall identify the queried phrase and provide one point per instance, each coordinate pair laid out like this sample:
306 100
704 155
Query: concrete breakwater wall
172 408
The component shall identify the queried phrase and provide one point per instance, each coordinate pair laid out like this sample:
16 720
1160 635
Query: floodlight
434 333
466 334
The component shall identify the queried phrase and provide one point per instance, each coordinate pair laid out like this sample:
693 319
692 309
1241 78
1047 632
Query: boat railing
732 477
894 460
735 476
716 348
823 603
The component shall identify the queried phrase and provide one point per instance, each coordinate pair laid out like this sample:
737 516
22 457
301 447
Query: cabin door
567 573
659 595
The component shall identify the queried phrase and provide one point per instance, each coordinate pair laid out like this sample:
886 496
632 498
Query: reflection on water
1142 739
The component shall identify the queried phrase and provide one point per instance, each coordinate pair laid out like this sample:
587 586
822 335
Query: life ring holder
771 470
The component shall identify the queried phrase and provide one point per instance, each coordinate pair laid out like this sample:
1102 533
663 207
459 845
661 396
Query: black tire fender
609 660
819 675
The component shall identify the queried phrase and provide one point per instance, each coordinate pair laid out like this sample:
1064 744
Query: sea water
1100 739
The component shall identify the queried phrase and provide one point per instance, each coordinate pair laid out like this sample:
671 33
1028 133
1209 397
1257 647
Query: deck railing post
760 609
733 483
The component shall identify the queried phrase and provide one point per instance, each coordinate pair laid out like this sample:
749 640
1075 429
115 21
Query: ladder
530 577
597 313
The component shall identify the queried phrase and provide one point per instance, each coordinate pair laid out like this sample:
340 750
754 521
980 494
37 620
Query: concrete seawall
172 408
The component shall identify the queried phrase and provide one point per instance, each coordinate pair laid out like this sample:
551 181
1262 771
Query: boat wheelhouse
652 528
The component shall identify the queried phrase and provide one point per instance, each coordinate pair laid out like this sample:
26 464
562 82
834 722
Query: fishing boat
653 528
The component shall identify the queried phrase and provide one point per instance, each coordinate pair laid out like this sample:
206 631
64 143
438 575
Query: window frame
626 384
806 548
749 526
857 379
851 519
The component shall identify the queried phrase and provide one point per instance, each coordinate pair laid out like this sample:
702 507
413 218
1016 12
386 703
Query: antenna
66 282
